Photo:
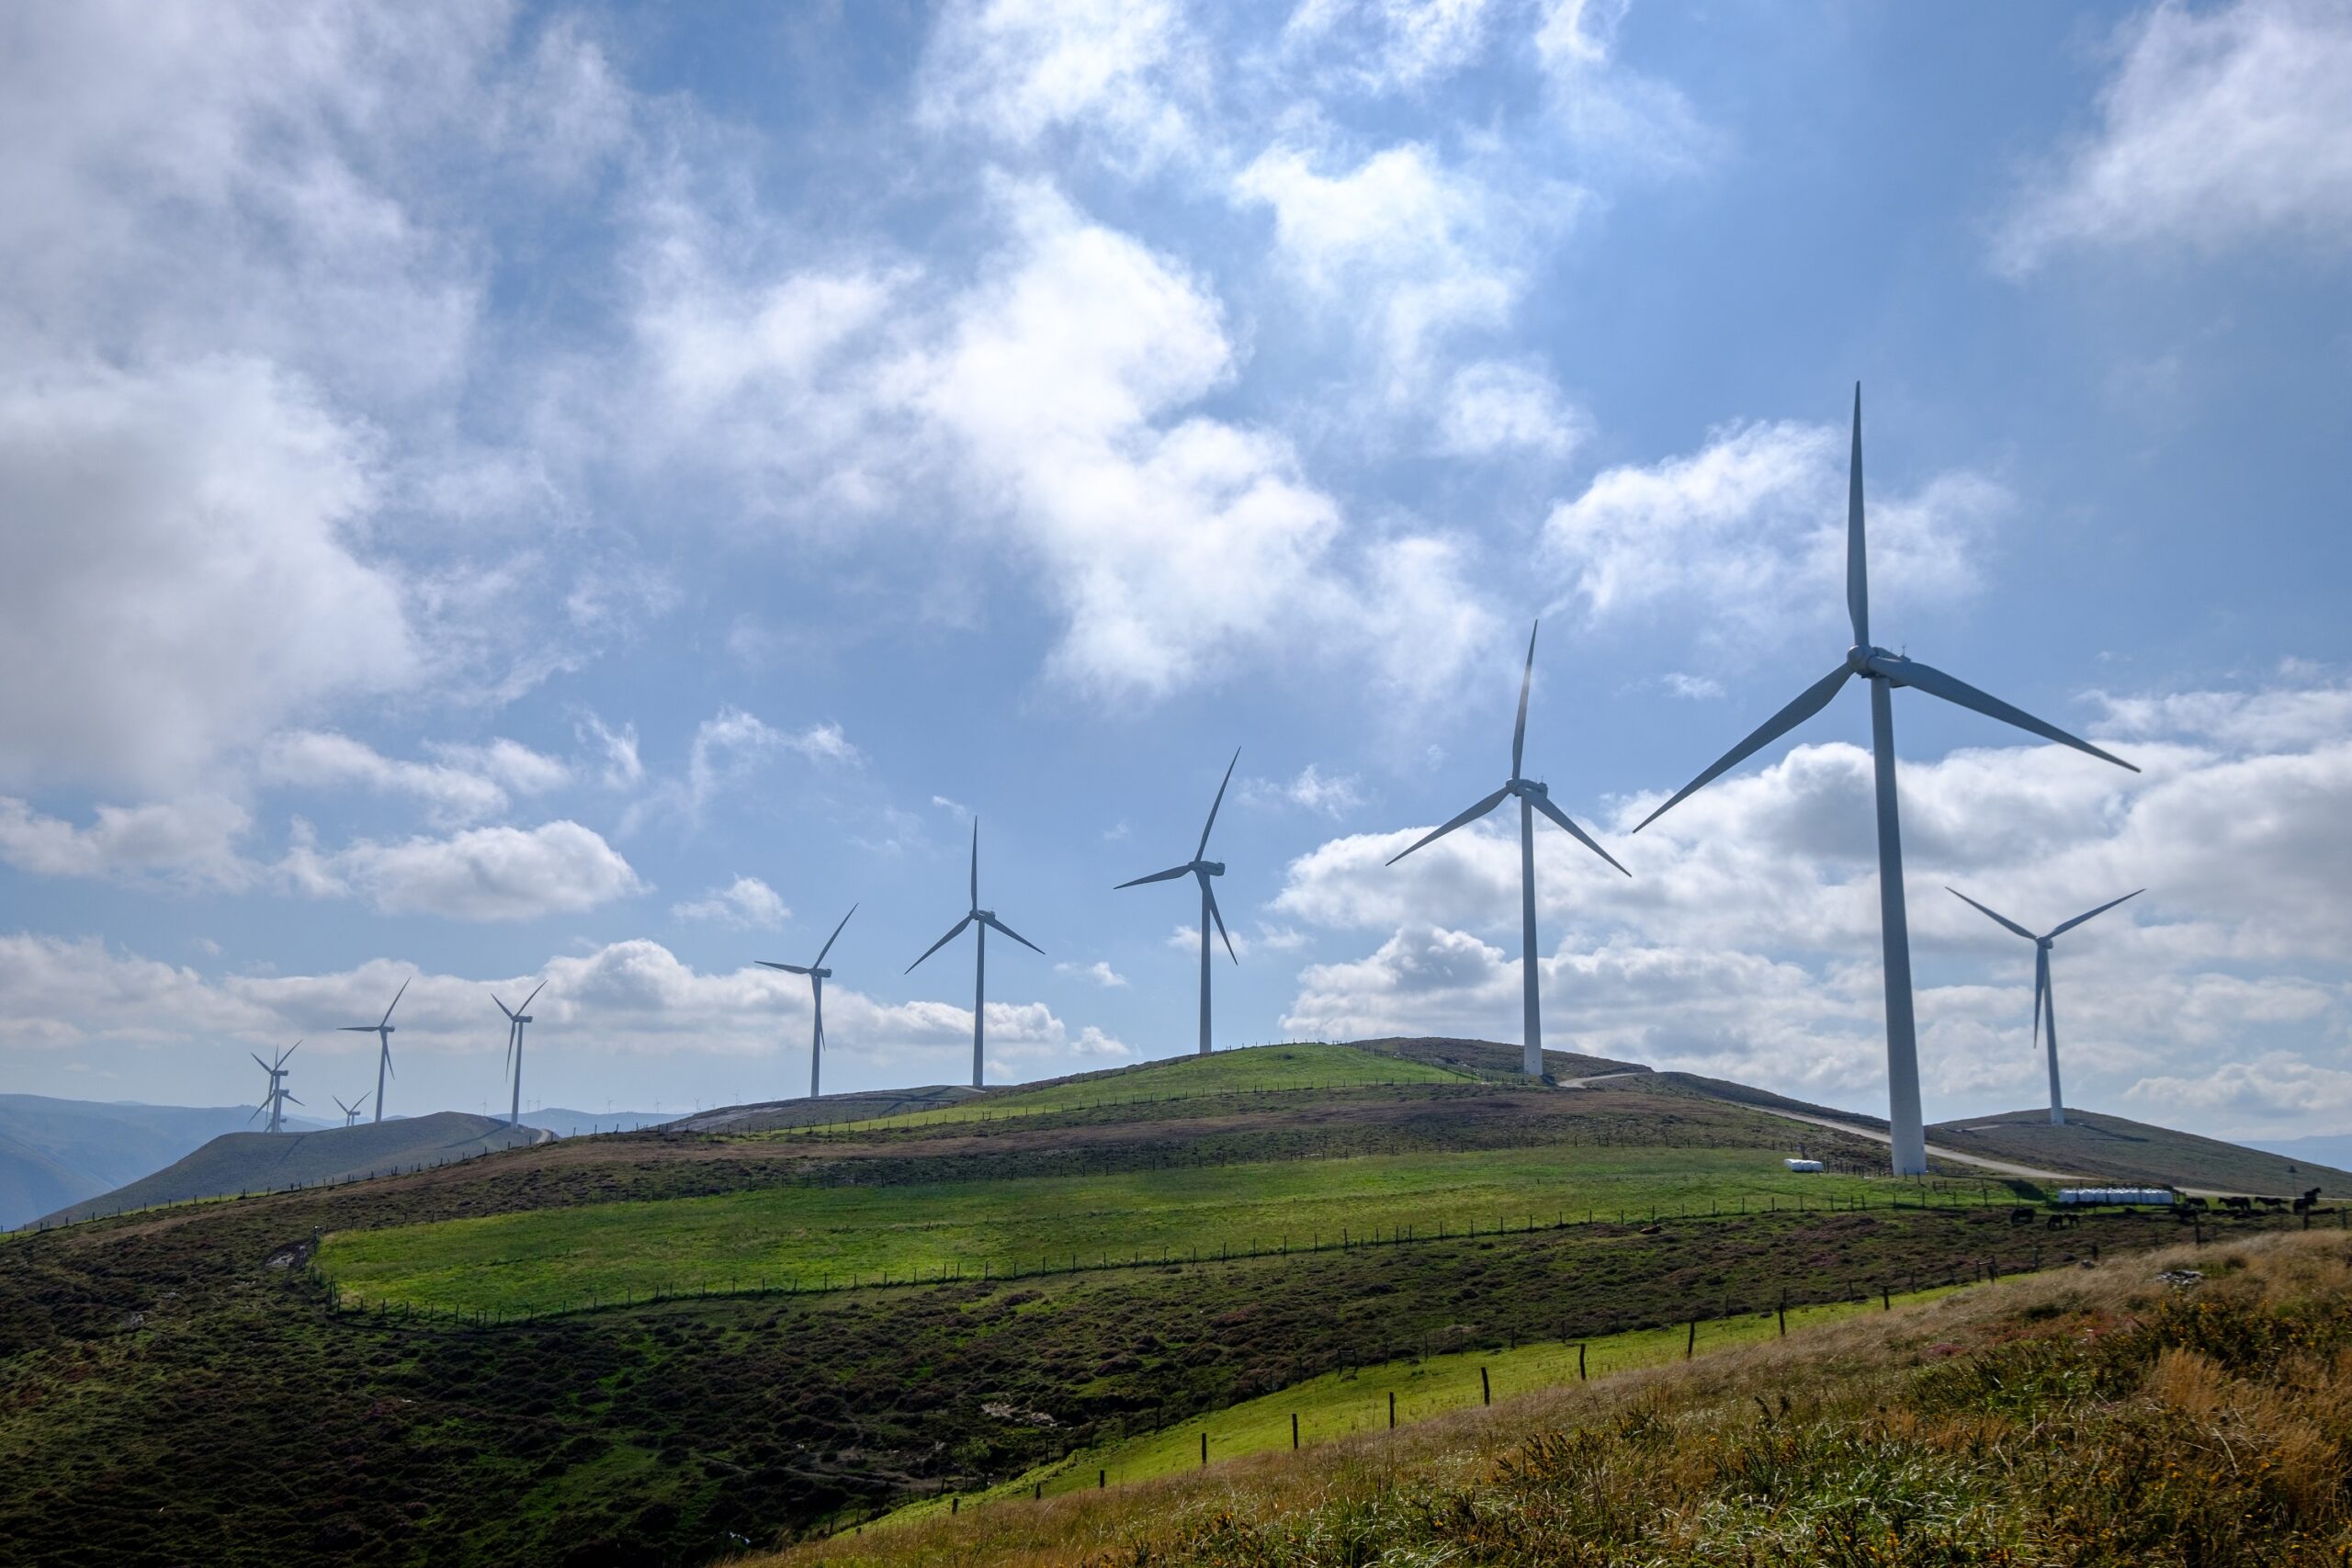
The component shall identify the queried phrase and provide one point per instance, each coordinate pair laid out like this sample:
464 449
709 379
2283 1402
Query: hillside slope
2112 1148
55 1152
264 1162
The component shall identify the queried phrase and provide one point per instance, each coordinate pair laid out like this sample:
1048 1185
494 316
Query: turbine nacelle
1531 789
1209 867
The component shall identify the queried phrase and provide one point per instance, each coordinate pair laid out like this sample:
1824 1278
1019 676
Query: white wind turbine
1884 672
1201 870
817 974
1533 796
2045 999
516 1019
383 1032
350 1112
275 1101
981 919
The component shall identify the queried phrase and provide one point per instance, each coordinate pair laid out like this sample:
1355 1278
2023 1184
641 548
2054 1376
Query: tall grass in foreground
2096 1417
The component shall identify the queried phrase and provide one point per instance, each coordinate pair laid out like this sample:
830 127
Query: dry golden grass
2096 1416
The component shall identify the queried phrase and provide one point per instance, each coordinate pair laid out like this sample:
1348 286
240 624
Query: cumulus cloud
1748 536
181 576
1385 45
1496 406
1311 789
1018 70
469 783
1614 115
482 874
747 902
2221 127
1101 973
192 843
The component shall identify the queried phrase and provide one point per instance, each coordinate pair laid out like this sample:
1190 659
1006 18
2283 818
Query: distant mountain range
266 1162
56 1152
2325 1148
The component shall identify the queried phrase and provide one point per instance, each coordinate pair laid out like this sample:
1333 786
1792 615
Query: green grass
1341 1404
808 1236
1257 1069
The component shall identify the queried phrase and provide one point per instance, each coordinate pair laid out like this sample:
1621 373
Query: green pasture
1255 1070
814 1237
1342 1404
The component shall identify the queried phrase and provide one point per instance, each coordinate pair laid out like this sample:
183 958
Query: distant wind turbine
1201 870
982 919
1884 672
275 1101
2045 999
383 1032
1533 796
350 1112
817 974
516 1019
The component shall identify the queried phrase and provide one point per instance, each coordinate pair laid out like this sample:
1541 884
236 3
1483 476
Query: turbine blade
265 1066
356 1029
533 996
1544 804
1857 571
2041 983
953 933
2102 910
396 998
829 940
976 860
509 1011
1016 935
1988 914
1218 916
789 968
1203 847
1810 701
291 1096
256 1115
1519 735
290 1052
1173 873
1472 815
1936 683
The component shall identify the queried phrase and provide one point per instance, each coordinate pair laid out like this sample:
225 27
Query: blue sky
592 492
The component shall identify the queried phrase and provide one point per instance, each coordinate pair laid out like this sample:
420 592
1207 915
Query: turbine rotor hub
1209 867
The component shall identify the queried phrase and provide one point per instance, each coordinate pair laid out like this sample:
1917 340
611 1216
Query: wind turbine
350 1112
516 1019
383 1032
817 974
1884 672
275 1101
1201 870
2045 999
982 919
1533 796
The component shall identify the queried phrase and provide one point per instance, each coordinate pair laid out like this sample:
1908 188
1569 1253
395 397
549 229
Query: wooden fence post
1293 1429
1205 1448
1580 1349
1691 1345
1485 1389
1392 1411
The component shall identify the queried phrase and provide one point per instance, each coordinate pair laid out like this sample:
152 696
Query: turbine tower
516 1019
275 1101
817 974
2045 1000
383 1032
1533 797
1884 672
350 1112
1201 870
981 919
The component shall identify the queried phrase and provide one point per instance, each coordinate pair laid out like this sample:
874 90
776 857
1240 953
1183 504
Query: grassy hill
260 1162
2112 1148
212 1381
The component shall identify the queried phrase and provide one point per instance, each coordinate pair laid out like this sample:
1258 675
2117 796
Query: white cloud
747 902
452 790
1101 973
181 575
1333 794
1748 536
188 843
1696 688
1387 45
483 873
1501 406
2222 125
622 769
1614 115
1021 69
